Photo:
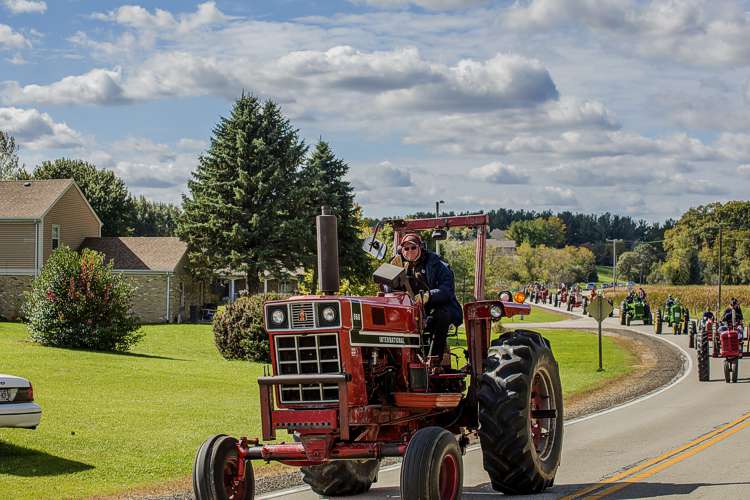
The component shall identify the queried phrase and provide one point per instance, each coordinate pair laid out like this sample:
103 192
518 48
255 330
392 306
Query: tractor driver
431 279
670 301
734 307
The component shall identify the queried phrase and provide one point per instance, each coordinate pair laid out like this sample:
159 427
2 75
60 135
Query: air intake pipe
328 253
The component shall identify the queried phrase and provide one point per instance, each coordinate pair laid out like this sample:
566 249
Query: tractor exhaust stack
328 253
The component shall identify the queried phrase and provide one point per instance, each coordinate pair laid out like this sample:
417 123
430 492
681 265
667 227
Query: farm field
118 422
696 297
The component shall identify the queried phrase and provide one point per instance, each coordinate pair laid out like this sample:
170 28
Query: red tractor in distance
728 342
354 381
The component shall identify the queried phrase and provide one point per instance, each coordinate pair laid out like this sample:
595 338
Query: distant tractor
675 315
635 309
729 343
576 299
354 381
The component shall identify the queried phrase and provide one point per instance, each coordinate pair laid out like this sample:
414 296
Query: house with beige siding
36 217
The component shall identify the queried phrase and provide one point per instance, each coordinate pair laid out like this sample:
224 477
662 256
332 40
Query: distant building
497 239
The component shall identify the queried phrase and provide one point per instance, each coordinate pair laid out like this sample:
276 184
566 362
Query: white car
17 406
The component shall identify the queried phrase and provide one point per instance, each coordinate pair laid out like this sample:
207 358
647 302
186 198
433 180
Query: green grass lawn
114 422
604 273
577 356
538 315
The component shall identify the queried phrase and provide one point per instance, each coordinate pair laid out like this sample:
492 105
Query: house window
55 236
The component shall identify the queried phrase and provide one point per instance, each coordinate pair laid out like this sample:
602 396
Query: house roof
161 254
30 199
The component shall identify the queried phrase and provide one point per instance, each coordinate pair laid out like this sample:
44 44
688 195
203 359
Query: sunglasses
410 248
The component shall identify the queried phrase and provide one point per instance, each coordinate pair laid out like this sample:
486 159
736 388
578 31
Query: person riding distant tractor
733 310
432 282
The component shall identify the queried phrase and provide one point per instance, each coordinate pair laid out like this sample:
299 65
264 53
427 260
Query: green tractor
635 309
675 314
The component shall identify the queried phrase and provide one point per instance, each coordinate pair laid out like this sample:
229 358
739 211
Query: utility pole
437 216
614 262
718 309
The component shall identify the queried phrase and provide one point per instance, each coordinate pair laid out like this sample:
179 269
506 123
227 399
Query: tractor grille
303 315
304 355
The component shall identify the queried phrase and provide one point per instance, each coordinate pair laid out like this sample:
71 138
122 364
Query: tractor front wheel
432 468
727 370
521 414
623 313
216 469
704 368
735 369
341 477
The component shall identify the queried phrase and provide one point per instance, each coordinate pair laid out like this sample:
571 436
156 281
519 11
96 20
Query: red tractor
728 341
354 381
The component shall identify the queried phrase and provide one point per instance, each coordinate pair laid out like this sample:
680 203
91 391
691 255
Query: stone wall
11 295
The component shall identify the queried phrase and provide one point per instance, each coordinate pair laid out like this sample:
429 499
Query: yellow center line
669 463
660 458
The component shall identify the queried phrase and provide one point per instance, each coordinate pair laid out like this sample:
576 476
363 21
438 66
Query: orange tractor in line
354 381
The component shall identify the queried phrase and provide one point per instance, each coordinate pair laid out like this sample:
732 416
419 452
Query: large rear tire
215 469
691 332
735 370
704 369
657 322
521 414
341 477
432 468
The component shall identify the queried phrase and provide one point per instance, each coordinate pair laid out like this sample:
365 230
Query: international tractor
353 380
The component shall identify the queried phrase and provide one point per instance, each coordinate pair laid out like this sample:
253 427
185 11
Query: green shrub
78 301
238 329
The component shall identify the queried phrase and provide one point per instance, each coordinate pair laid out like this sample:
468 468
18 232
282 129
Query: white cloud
12 39
137 17
37 130
706 32
25 6
498 173
425 4
98 86
555 196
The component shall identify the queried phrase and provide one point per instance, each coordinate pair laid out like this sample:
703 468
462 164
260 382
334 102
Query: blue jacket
439 277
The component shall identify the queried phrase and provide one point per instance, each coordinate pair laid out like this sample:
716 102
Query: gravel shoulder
659 363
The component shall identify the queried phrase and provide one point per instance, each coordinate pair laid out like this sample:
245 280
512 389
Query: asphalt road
690 438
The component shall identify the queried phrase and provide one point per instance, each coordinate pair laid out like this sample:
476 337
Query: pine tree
323 184
240 213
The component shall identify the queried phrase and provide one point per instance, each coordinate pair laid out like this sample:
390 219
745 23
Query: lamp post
437 216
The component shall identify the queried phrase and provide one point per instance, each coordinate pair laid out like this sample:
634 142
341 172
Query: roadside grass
577 355
538 315
118 422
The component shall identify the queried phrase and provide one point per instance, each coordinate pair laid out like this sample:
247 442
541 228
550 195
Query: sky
634 107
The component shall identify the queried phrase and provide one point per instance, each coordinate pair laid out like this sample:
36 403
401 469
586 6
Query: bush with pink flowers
78 301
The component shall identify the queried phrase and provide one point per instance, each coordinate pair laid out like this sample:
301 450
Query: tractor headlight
329 314
496 311
278 316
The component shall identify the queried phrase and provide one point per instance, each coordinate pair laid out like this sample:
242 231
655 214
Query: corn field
697 298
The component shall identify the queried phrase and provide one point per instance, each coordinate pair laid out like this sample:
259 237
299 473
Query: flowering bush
78 301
